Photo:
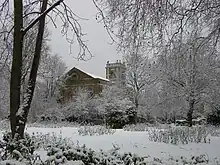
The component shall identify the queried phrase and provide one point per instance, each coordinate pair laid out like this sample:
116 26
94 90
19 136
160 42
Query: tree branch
42 15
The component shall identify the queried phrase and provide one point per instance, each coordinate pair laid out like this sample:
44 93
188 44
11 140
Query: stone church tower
115 72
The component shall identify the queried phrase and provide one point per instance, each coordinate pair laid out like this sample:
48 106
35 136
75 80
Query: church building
76 79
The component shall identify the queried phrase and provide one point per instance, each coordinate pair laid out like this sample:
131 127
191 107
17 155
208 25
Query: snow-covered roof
97 77
91 75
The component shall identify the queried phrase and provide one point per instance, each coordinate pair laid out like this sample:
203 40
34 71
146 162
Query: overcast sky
98 40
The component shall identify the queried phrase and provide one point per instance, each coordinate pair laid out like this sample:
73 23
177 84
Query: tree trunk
24 110
191 100
136 102
16 67
190 112
136 108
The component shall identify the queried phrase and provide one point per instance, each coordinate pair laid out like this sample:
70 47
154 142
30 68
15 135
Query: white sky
98 40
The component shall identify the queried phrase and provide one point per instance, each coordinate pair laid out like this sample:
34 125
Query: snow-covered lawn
135 142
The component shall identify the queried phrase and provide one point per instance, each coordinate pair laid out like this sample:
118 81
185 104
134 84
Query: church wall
79 80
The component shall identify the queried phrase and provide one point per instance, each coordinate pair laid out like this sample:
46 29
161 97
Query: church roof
89 74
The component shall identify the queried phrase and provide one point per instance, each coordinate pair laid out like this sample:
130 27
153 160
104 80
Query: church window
75 76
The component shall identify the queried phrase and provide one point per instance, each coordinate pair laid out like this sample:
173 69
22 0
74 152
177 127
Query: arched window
74 76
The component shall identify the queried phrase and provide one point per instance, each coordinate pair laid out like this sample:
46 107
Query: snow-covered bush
80 154
136 127
60 151
63 151
83 109
11 162
51 124
51 115
112 107
62 155
180 135
214 131
116 107
25 151
116 118
95 130
214 118
51 140
20 150
181 160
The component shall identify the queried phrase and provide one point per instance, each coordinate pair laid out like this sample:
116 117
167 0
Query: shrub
116 119
95 130
214 118
136 127
11 162
177 135
62 152
51 124
90 118
192 160
61 155
20 150
214 131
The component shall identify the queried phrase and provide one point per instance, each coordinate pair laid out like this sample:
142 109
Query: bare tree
188 74
40 9
28 52
46 92
53 68
159 25
139 75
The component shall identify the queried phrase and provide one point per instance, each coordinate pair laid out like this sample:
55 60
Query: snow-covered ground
135 142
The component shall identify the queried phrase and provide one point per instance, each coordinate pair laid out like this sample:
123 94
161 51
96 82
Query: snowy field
135 142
